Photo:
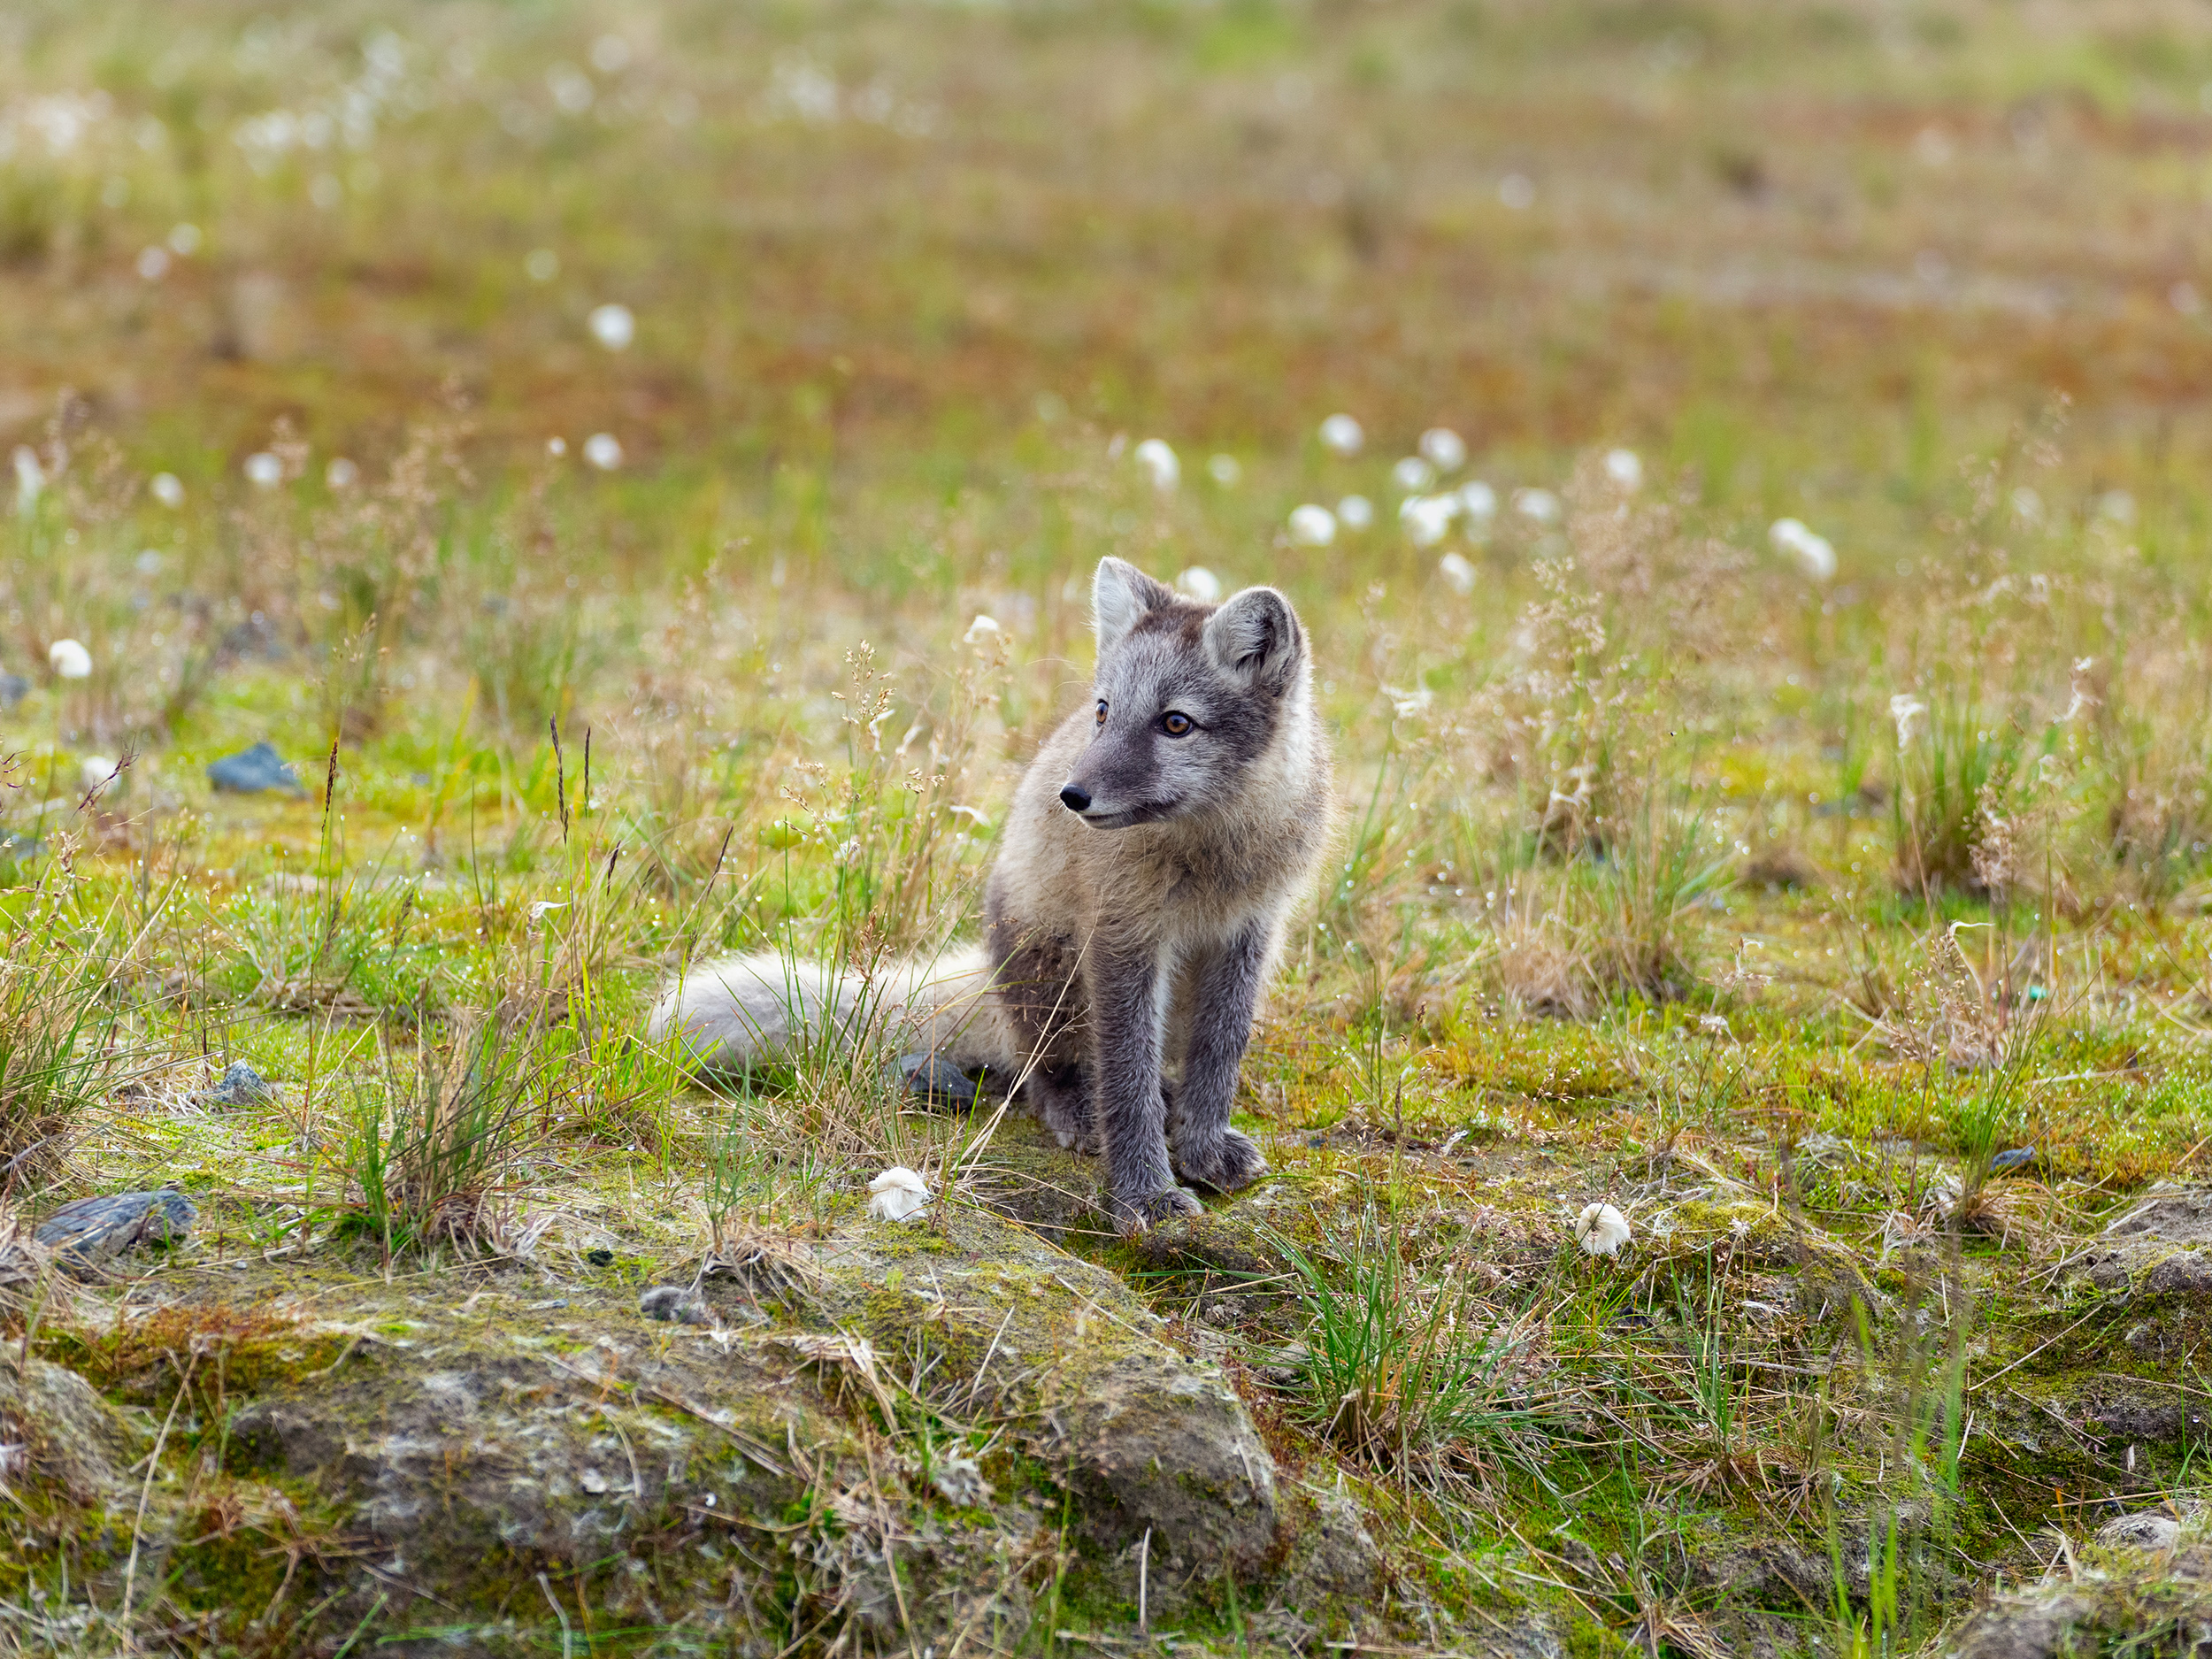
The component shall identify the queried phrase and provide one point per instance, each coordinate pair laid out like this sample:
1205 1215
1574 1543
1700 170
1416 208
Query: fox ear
1120 595
1256 638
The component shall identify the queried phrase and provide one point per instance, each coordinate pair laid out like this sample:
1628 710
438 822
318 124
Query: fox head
1186 698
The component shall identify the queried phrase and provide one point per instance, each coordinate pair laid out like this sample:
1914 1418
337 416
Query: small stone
2018 1157
960 1481
679 1302
13 689
239 1085
2147 1529
941 1083
255 771
94 1229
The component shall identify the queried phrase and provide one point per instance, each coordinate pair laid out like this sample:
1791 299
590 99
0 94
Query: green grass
1654 884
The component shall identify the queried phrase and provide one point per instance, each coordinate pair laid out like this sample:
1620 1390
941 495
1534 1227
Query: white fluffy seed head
1444 449
1540 505
1355 512
69 659
1458 575
1202 585
1625 467
1312 525
1159 461
1600 1230
897 1194
1341 435
167 488
613 326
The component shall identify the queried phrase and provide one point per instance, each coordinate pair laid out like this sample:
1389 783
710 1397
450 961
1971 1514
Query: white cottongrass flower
264 470
1225 470
544 907
541 265
1445 449
185 240
982 631
1341 435
557 445
1478 500
1355 512
69 659
604 450
1625 467
1409 705
1906 708
1312 525
1413 475
1815 555
1538 504
1157 460
613 326
342 473
30 478
1426 518
167 488
94 770
897 1194
1200 584
153 263
1600 1230
2117 506
1458 575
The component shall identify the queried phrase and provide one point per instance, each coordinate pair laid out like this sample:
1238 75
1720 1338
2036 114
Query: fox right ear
1120 595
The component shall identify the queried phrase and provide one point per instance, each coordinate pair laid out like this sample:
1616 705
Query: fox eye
1177 725
1102 711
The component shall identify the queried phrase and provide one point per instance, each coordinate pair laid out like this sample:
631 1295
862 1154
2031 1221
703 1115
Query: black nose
1075 799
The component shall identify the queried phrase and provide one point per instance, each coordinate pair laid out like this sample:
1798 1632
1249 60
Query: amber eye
1102 711
1177 725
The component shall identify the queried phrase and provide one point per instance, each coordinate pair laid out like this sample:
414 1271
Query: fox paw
1229 1162
1133 1216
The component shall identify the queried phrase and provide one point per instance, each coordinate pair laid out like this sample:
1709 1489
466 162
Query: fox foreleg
1225 990
1125 1020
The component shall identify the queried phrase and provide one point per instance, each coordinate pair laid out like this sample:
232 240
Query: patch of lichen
225 1349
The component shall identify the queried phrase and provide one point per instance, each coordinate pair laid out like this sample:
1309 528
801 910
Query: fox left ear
1120 595
1256 638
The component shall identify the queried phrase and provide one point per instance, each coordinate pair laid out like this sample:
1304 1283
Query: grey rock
75 1446
679 1302
2053 1619
2147 1529
1147 1439
1163 1445
1333 1556
13 689
239 1085
95 1229
255 771
941 1083
2161 1248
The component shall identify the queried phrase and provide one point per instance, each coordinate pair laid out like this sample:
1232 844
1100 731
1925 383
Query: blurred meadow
642 466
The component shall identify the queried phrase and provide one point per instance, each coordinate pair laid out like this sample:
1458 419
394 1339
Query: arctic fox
1156 849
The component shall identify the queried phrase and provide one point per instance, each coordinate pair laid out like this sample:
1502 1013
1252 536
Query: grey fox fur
1155 851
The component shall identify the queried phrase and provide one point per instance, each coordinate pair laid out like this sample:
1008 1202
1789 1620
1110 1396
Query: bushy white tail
765 1008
